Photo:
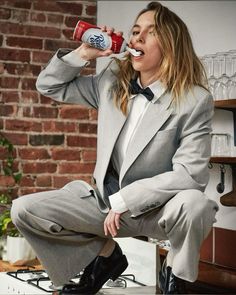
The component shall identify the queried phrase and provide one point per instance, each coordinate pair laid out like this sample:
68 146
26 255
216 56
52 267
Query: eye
153 33
134 33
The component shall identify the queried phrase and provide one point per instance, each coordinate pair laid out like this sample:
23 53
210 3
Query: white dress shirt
138 105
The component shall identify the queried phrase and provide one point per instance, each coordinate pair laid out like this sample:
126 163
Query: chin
137 68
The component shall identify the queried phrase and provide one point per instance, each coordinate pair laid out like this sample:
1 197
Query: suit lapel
114 123
153 119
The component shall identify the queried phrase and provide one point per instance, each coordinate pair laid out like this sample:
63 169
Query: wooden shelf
223 160
227 104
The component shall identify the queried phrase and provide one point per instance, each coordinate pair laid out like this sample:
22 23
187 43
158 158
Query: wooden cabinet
228 199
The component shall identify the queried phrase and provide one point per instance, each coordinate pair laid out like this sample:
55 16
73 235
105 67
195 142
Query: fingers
112 223
110 30
117 221
88 52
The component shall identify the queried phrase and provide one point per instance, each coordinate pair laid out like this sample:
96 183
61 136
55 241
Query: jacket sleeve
62 82
189 164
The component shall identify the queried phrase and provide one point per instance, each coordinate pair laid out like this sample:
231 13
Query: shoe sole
118 270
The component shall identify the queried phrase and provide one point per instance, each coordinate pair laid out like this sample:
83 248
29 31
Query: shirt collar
157 88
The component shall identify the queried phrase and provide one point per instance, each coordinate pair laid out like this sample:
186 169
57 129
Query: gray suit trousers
65 228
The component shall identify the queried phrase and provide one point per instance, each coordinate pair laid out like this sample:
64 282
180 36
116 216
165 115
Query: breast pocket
166 135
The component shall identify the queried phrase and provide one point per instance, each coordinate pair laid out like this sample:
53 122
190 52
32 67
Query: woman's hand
88 52
112 223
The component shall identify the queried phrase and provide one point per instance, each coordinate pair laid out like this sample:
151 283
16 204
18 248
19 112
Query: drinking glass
232 74
221 91
220 146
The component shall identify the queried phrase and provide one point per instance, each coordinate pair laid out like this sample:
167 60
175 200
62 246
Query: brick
3 153
93 114
11 28
44 181
55 19
41 56
21 16
28 181
52 126
60 181
1 40
45 139
5 13
7 110
65 154
29 97
89 156
44 5
17 138
42 31
28 84
1 126
26 4
74 112
9 82
40 112
47 100
70 8
7 181
72 168
2 68
71 21
24 42
88 128
33 153
81 141
39 167
91 10
9 96
68 34
21 125
53 45
38 17
14 55
22 69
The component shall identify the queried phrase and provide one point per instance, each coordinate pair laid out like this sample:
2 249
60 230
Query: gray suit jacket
170 150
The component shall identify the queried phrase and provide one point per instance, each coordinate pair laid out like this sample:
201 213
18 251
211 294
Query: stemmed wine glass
208 63
232 74
221 91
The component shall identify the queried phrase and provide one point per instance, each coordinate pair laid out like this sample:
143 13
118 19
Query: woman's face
144 38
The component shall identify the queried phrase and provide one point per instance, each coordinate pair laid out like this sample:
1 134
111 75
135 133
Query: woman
152 158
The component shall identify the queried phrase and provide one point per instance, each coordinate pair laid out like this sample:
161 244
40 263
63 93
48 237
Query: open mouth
135 52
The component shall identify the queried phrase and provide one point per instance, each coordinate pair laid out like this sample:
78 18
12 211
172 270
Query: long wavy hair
180 68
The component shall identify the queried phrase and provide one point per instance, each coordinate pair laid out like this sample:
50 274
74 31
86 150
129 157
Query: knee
197 206
19 209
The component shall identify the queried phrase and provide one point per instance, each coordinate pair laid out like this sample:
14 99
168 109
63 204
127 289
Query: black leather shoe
169 283
95 275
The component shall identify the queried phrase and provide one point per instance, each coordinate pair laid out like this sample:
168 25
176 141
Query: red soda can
94 36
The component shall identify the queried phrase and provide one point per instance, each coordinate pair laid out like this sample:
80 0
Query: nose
140 37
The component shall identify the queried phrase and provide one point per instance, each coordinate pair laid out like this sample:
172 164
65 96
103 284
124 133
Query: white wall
212 25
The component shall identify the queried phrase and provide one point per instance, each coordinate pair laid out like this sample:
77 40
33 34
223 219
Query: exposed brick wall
54 143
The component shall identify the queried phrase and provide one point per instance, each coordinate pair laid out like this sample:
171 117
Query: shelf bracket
229 199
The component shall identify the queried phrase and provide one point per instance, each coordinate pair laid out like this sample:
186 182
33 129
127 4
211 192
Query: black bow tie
136 89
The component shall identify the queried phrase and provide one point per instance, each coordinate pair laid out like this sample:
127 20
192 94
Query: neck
147 79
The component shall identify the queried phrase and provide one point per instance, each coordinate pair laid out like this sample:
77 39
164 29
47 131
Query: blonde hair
180 68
